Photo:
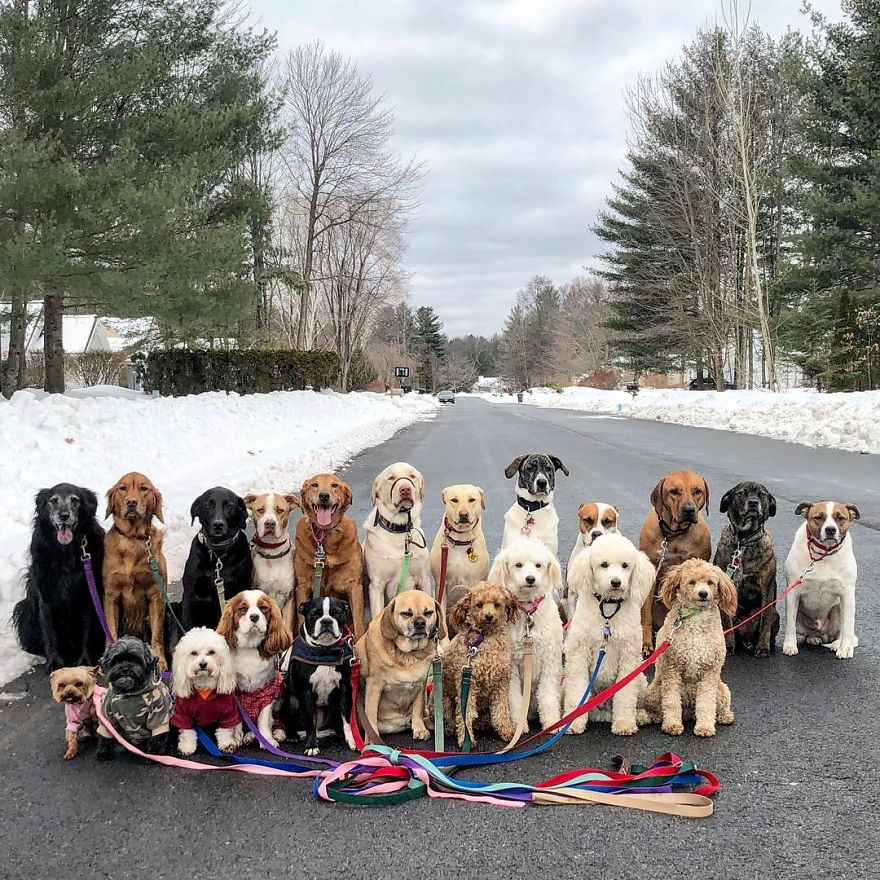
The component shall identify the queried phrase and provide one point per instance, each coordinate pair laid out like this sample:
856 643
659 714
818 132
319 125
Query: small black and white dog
56 618
533 513
318 692
137 702
223 517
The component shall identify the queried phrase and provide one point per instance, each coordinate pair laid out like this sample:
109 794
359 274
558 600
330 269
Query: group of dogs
271 625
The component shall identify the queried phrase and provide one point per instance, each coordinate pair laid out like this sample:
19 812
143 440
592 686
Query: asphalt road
798 768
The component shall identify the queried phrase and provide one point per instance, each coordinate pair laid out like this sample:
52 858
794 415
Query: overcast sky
516 106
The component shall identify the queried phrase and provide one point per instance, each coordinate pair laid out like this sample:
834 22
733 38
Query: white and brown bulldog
271 548
822 608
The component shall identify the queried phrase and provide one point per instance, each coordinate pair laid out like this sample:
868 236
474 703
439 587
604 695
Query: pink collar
817 550
531 608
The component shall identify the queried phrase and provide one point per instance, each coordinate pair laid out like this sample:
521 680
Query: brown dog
674 530
325 499
131 594
74 687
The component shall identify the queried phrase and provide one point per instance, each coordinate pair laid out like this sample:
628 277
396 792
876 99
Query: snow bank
185 445
844 421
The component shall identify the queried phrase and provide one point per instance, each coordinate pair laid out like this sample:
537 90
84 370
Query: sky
517 108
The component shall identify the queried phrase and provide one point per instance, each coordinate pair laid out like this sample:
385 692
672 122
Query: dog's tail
26 622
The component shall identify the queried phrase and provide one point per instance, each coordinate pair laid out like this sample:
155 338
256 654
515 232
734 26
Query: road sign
401 372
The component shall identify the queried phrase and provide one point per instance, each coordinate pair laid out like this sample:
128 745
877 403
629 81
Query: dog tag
472 555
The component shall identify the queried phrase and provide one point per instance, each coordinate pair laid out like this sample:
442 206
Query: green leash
404 570
437 676
157 577
320 556
465 693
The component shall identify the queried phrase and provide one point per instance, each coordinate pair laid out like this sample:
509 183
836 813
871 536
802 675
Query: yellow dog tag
472 555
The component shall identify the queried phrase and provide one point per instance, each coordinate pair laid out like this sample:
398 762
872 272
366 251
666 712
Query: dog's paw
762 652
647 650
279 734
229 747
845 651
672 728
624 728
790 649
704 730
247 738
420 733
506 733
813 641
644 717
725 717
312 751
578 726
187 749
70 754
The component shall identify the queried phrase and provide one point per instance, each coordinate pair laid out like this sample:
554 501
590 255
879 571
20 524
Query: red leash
797 582
444 560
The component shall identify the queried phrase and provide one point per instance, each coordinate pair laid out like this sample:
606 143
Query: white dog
613 579
271 547
595 518
256 633
823 607
203 682
531 572
396 518
533 513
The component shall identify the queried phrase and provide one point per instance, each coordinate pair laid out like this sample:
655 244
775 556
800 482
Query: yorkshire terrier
74 688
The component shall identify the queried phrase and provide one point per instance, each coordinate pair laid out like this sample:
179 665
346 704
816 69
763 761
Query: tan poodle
689 673
481 617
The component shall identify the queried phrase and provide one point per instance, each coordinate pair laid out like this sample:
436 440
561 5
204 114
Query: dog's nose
203 664
703 594
254 617
131 503
530 579
831 531
615 583
323 498
541 482
270 525
464 516
419 624
594 534
688 508
406 489
326 623
64 517
218 526
753 503
489 617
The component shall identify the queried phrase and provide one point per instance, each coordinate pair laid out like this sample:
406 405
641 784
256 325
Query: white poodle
203 681
613 580
531 572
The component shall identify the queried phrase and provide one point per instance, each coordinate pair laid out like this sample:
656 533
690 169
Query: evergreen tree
429 346
123 124
838 277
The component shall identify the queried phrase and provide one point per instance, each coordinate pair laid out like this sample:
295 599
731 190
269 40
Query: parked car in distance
446 397
707 383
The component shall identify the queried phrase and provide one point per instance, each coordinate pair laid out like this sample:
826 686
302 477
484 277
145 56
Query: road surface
798 768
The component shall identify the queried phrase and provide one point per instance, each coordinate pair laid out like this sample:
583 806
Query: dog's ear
658 497
771 505
226 627
181 684
242 512
52 678
803 508
194 509
89 502
482 499
726 498
514 466
728 600
853 512
42 499
226 681
557 463
250 498
499 573
443 497
302 607
513 610
421 488
458 614
374 490
555 570
387 626
158 501
580 572
111 502
670 585
706 496
292 501
643 576
94 670
278 636
441 623
346 493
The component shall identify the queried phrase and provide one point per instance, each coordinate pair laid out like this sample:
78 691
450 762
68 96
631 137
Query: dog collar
756 536
473 639
396 528
262 545
530 506
447 528
321 655
532 606
603 601
668 532
215 546
817 550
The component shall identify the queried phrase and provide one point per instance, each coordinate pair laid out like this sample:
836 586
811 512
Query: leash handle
463 700
444 562
320 557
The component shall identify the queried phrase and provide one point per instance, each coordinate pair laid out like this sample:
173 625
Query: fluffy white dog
613 580
531 572
203 681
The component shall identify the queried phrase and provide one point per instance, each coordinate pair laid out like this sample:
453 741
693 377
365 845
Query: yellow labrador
398 497
467 561
396 653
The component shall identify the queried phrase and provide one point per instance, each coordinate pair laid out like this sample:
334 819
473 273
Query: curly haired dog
612 579
482 617
689 673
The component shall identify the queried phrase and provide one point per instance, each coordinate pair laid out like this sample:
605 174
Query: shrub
96 368
606 379
181 371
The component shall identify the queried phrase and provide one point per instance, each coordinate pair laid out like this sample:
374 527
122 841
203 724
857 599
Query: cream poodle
612 578
531 572
688 677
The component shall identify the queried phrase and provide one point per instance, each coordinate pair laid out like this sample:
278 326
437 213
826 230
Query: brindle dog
748 506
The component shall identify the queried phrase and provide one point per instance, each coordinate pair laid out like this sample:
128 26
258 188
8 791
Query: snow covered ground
844 421
185 445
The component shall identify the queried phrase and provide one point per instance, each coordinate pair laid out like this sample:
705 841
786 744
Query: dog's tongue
65 535
324 515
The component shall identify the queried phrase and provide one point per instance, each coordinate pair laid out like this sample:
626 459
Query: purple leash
93 590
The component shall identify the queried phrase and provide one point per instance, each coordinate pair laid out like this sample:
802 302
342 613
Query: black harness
319 655
668 532
603 601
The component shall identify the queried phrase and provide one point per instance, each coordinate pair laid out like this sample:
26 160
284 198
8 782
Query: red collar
256 540
817 550
531 608
450 528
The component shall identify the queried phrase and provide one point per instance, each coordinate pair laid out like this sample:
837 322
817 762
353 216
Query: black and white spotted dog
533 513
318 692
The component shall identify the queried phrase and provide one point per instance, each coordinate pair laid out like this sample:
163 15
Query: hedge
177 372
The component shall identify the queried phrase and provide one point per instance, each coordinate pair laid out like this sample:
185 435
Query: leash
472 645
444 553
219 586
797 582
817 550
160 583
437 695
86 558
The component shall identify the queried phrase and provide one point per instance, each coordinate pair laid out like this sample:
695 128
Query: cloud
517 107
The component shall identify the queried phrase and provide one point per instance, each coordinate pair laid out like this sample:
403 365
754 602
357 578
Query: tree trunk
53 344
12 376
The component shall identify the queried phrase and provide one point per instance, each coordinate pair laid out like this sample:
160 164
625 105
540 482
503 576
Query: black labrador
56 618
221 539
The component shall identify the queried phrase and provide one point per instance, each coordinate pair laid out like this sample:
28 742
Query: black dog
748 506
56 618
221 539
319 673
137 702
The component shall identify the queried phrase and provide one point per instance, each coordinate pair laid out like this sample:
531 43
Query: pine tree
839 274
123 124
429 346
